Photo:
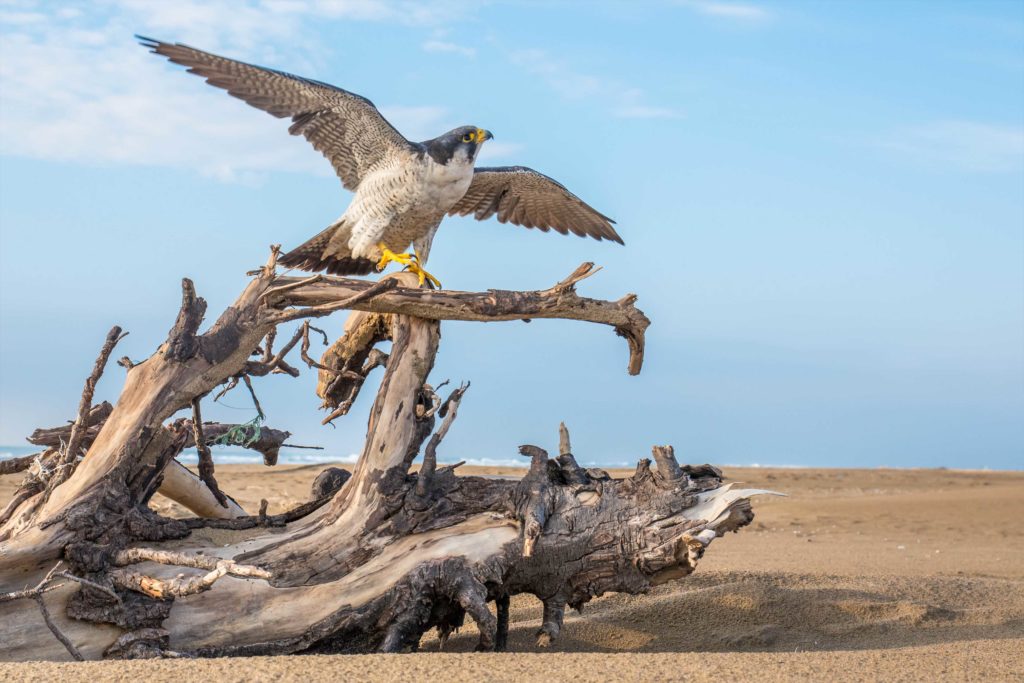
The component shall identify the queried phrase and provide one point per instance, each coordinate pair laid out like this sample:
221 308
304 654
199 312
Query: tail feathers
310 256
331 265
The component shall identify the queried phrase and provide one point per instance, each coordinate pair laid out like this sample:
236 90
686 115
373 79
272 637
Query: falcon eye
468 137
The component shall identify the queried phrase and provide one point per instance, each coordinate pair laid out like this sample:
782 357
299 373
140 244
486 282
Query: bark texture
371 562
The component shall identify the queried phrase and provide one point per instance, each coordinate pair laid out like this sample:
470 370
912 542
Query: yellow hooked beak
483 135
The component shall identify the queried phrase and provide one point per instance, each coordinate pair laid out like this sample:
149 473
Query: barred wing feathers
346 128
522 196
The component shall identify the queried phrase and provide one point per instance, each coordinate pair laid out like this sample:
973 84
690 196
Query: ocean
226 455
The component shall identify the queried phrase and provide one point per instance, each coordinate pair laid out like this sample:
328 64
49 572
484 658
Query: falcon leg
410 261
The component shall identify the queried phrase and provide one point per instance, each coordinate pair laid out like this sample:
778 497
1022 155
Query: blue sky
823 208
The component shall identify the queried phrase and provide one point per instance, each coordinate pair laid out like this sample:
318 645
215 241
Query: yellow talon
387 256
411 261
424 275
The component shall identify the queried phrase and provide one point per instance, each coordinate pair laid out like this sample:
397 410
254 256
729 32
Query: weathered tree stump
368 567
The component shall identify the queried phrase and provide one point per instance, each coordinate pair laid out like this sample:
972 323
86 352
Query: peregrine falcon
403 189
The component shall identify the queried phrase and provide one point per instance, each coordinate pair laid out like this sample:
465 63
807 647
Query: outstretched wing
344 127
525 197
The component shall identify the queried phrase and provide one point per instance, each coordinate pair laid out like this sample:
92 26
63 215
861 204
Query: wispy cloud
635 111
418 122
423 123
446 46
622 101
556 73
961 145
632 105
76 88
409 12
18 18
737 11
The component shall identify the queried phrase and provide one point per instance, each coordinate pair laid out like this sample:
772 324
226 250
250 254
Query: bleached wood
392 554
184 487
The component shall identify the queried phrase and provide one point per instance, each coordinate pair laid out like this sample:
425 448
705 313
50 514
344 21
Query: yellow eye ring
468 137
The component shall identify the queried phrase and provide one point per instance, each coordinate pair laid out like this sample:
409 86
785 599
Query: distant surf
235 456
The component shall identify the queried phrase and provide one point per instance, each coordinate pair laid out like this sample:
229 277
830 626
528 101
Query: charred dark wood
182 342
329 482
260 520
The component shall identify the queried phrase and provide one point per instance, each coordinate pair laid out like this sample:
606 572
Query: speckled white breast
402 201
443 186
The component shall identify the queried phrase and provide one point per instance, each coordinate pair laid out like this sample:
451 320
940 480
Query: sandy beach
892 575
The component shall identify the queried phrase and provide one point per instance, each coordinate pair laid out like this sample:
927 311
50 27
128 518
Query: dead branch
252 394
268 442
182 342
294 285
91 584
665 457
15 465
130 556
55 437
274 362
333 304
81 424
304 349
261 520
560 301
55 630
36 594
185 487
163 589
228 386
564 444
448 411
25 492
206 467
571 471
40 587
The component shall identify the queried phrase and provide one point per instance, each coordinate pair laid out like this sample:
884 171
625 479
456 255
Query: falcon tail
310 256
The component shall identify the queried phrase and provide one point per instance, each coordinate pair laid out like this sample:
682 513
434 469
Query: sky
822 204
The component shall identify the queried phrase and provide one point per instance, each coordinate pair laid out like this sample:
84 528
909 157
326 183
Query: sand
892 575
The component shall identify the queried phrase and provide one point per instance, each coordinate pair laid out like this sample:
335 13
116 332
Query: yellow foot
410 261
424 275
388 256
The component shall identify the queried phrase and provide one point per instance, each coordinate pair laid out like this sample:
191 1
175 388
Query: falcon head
459 145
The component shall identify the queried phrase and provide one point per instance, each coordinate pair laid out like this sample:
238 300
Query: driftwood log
88 570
